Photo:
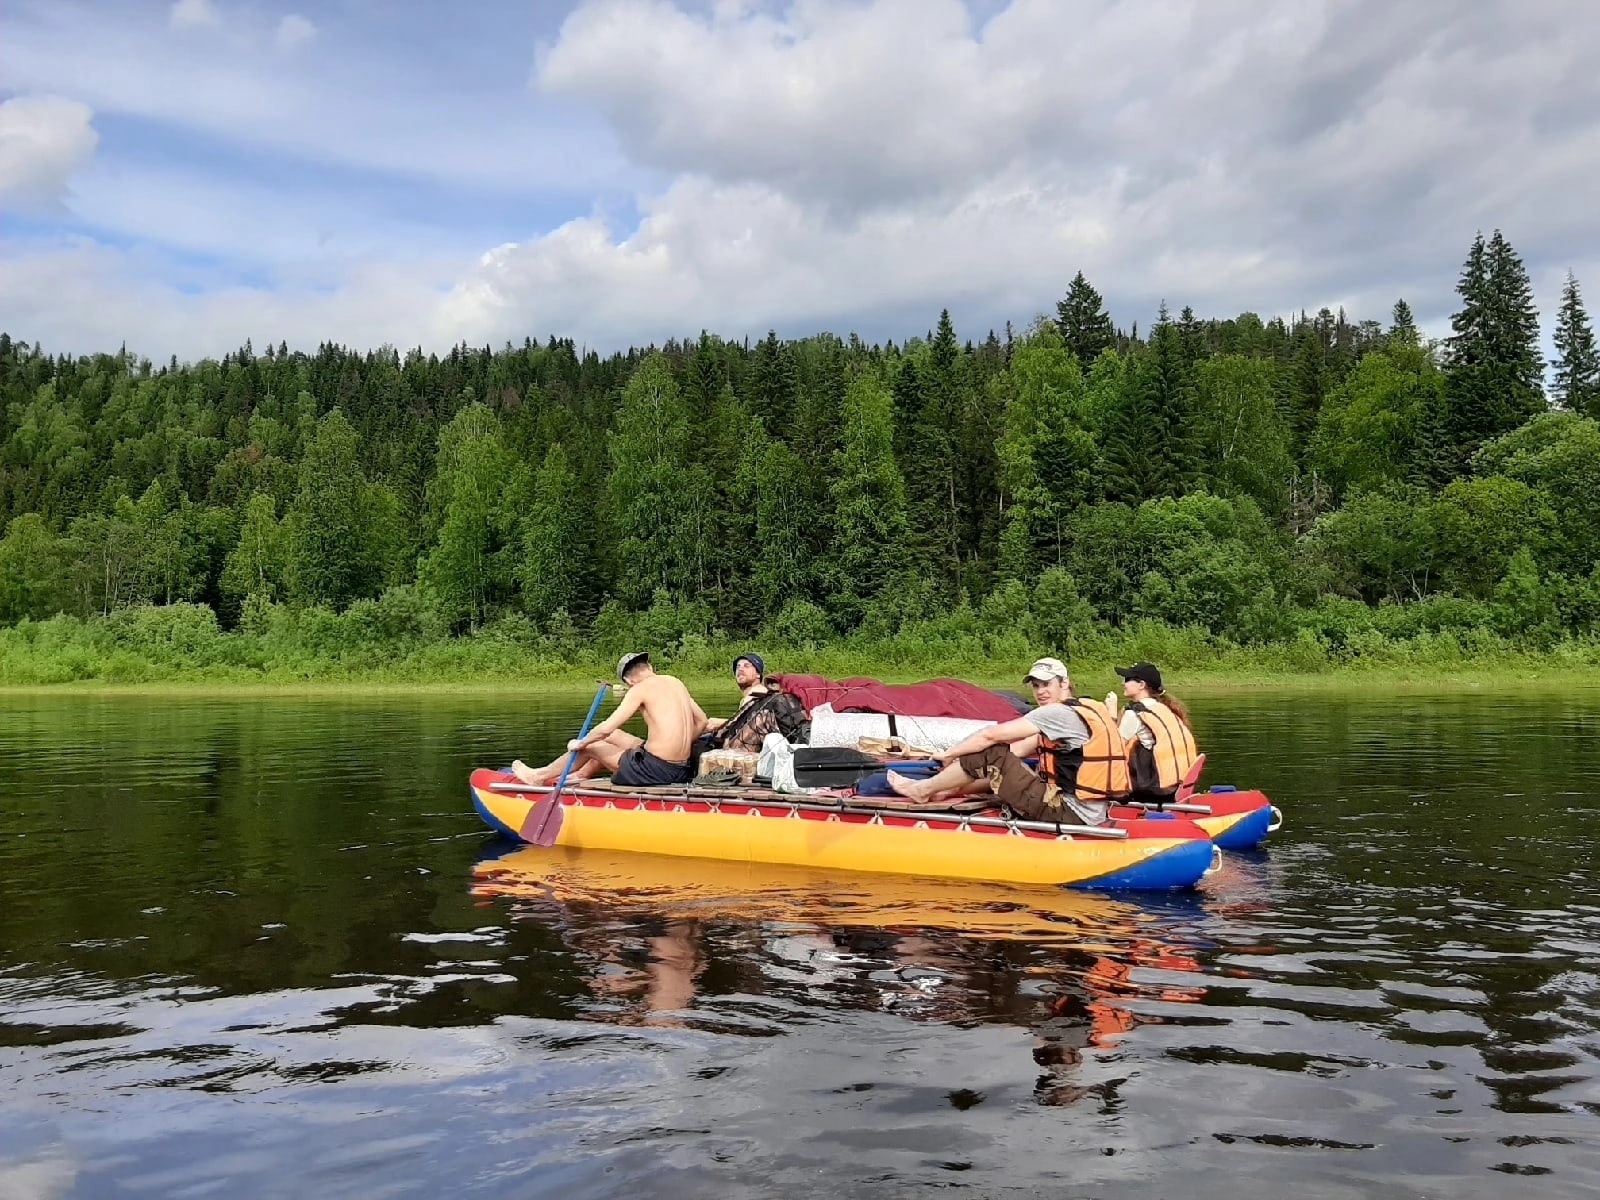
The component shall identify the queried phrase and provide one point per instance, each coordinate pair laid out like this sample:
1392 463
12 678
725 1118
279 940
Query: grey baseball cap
629 660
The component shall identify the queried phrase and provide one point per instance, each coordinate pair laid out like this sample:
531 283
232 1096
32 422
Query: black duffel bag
832 766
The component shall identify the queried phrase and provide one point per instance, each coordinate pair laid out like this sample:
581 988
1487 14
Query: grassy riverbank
180 647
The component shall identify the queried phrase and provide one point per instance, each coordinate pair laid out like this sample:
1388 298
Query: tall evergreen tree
1307 381
1084 323
1149 441
1402 325
1191 338
1577 368
773 384
869 502
931 461
1494 370
704 379
822 384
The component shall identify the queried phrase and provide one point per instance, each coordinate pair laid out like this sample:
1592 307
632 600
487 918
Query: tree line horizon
1260 481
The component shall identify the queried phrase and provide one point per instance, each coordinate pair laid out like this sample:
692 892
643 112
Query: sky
181 176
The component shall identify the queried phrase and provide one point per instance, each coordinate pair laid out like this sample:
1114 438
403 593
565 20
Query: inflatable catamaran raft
1173 847
1150 850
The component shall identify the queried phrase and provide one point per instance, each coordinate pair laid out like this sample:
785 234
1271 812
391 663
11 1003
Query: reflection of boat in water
853 835
688 889
684 942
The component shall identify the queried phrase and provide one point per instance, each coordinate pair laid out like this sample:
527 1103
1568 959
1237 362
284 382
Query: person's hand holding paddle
543 822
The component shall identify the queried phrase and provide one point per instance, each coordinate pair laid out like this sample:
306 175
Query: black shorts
639 768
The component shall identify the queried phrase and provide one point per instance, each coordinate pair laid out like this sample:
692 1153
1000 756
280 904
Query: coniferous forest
1298 493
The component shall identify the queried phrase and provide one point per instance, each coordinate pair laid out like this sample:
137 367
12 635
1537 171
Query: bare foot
528 774
901 786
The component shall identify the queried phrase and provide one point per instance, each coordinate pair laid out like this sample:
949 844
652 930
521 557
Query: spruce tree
1308 382
870 527
1132 441
474 500
704 378
1084 323
1402 325
930 461
773 382
1577 369
1495 368
907 407
1149 441
1172 382
1048 463
1191 338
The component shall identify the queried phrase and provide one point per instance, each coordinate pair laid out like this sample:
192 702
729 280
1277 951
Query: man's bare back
672 719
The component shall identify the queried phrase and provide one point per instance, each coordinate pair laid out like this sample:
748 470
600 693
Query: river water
263 947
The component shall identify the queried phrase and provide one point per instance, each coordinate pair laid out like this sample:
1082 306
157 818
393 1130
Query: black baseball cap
1145 673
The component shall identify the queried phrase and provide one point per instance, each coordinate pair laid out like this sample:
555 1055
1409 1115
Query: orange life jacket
1097 770
1160 767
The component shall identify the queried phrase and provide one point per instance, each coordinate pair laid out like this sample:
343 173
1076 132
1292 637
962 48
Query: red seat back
1191 777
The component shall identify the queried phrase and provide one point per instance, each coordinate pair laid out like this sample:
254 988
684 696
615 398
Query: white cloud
855 164
194 14
81 296
854 104
835 158
43 140
294 30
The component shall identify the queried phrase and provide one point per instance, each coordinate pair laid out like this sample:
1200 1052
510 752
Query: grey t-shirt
1063 726
1060 724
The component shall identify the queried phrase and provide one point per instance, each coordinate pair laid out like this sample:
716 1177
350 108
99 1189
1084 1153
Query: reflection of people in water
664 984
652 950
1096 1016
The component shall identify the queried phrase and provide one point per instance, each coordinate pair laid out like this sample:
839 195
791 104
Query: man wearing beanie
763 709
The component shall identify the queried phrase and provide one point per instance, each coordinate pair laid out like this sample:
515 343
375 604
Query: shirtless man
660 759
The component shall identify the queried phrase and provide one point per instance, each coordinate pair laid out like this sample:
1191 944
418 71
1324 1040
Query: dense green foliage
1326 487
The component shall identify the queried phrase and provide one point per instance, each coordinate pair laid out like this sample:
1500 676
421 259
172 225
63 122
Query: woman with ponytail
1155 730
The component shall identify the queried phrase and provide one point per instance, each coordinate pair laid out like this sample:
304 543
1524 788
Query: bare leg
592 759
605 755
951 779
533 776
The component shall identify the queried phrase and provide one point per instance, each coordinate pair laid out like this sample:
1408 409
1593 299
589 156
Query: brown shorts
1023 792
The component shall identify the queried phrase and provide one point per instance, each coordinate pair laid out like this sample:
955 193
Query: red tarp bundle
935 698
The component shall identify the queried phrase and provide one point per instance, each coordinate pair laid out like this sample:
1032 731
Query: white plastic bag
777 763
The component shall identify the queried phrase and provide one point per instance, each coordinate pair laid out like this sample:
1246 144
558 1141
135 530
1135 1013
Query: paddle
543 822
